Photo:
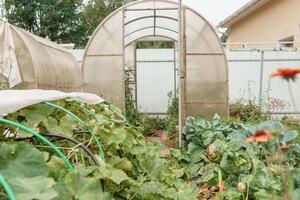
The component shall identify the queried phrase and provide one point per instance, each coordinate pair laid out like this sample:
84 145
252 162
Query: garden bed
223 159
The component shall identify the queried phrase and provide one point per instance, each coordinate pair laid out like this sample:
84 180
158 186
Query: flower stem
292 96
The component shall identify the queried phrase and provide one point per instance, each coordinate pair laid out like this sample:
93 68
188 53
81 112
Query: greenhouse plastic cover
28 61
14 100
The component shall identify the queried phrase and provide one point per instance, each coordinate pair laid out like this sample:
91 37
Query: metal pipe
148 9
180 65
261 78
174 62
155 61
135 75
148 27
265 60
123 59
259 49
245 43
154 23
282 113
151 16
205 54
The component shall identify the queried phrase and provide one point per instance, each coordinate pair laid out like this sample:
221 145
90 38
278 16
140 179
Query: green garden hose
83 123
7 188
39 137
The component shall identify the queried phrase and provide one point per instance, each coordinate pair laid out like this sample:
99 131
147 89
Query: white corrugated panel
244 78
155 79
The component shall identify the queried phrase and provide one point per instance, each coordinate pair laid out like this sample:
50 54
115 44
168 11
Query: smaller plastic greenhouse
204 84
28 62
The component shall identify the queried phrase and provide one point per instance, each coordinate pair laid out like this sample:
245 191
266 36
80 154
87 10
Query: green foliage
132 113
292 124
38 187
133 169
95 12
248 112
219 156
24 168
57 20
150 125
155 45
172 119
63 21
22 13
153 124
217 159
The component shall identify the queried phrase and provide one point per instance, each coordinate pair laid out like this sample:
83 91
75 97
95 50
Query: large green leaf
57 168
290 136
154 166
75 186
33 117
67 125
115 175
21 160
271 125
120 163
52 125
38 187
118 135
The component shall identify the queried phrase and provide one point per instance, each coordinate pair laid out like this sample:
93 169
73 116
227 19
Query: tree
62 21
58 20
22 13
96 10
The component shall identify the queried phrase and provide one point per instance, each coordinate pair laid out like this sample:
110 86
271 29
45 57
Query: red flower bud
260 136
284 148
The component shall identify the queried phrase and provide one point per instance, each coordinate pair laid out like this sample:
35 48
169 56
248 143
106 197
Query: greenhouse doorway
155 76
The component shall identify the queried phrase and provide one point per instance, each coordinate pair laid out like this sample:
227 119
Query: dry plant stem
292 95
221 186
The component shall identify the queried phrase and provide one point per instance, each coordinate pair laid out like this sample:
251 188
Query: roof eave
241 13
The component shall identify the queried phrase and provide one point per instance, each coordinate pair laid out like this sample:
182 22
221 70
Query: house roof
243 12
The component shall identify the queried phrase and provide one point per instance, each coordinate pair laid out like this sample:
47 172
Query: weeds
246 112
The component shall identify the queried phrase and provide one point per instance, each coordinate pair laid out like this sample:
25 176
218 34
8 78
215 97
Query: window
287 42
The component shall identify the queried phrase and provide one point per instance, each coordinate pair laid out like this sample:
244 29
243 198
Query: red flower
286 73
260 136
284 148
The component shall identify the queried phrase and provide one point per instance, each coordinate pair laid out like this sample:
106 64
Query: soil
162 137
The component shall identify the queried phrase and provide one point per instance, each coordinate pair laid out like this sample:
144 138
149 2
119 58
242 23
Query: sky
215 10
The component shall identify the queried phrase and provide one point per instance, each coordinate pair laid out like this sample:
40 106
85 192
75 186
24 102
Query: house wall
275 21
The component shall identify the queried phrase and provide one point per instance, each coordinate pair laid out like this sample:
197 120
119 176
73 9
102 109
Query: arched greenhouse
28 61
112 47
